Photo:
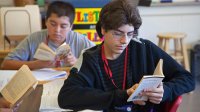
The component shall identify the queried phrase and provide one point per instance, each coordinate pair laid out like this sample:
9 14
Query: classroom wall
158 19
171 19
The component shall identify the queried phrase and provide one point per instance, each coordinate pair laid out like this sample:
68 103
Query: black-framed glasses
117 34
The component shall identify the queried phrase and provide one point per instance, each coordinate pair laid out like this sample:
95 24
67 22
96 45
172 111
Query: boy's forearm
16 64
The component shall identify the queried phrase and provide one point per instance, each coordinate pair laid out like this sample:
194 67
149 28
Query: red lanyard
108 70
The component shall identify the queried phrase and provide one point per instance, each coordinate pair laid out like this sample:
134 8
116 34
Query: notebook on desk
49 74
42 75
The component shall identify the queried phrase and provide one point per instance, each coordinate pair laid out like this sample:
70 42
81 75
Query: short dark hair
61 9
117 13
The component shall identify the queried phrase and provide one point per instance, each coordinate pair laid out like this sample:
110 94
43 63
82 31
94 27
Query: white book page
146 82
45 47
42 54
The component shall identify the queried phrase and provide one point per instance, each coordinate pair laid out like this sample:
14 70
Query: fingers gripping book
47 54
148 81
20 85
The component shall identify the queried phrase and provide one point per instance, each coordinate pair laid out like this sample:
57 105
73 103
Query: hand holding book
21 85
149 81
3 102
47 54
63 51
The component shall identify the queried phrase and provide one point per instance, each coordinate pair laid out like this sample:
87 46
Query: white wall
170 19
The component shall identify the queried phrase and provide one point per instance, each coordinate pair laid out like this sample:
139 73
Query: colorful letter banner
85 21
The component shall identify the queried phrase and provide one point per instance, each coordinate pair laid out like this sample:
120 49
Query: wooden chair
179 52
18 22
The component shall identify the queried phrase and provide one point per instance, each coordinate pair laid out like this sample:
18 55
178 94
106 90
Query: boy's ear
103 31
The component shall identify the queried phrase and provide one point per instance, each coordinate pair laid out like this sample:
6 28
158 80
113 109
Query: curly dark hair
117 13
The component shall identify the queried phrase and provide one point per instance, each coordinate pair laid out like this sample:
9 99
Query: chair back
172 106
18 22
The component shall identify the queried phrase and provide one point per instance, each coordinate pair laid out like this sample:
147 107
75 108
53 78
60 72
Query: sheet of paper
48 74
40 75
5 76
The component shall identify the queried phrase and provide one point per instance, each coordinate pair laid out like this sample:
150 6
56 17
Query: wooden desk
32 103
4 53
43 94
67 69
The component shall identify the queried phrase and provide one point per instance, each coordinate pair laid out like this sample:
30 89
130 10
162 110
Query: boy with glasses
59 21
107 74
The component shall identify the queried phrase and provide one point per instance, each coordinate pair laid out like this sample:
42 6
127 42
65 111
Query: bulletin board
85 22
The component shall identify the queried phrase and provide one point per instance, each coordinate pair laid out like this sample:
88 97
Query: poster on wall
85 21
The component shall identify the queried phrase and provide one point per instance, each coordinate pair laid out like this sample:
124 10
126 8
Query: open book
20 85
47 54
149 81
